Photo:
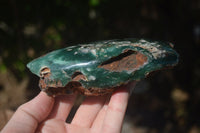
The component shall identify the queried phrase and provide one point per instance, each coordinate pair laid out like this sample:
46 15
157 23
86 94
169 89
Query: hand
102 114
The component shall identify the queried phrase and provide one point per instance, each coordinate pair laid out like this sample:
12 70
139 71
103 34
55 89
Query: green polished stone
96 68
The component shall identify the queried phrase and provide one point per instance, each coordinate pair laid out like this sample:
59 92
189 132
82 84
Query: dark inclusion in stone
98 68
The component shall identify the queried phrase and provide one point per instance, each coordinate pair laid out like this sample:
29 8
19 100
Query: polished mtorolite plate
98 68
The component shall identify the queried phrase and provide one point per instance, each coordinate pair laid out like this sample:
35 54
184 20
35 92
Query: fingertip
43 99
39 107
127 88
62 107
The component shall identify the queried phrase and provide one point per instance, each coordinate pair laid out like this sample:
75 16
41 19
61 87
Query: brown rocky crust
129 60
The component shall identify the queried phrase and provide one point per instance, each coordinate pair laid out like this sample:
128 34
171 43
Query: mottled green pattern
87 57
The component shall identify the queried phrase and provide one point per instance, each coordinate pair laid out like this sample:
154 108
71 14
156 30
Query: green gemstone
96 68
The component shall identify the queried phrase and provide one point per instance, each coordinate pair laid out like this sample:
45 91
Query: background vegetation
168 101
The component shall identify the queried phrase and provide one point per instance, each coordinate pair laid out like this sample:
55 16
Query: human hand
102 114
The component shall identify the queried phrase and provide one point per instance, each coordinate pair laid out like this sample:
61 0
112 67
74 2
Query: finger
97 125
116 110
52 126
62 107
76 129
28 115
88 110
98 122
59 126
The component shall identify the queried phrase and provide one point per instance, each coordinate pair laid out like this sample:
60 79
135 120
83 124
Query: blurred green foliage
29 29
94 3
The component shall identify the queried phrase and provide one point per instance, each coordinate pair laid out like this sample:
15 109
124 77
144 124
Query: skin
48 115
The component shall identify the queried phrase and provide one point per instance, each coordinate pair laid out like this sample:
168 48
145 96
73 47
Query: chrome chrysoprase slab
97 68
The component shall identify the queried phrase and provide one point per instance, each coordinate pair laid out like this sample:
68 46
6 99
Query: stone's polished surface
97 68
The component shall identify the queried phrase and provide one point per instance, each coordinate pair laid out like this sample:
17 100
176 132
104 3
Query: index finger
28 115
